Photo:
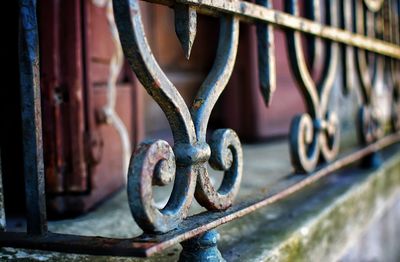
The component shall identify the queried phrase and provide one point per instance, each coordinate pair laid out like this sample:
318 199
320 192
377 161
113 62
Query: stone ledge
319 223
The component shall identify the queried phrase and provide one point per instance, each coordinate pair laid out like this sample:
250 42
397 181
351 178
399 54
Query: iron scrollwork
366 12
156 162
316 133
394 65
373 18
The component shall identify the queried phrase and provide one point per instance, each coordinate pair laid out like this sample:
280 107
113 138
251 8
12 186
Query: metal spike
266 56
185 27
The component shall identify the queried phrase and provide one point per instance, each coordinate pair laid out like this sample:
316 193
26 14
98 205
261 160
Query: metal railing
369 27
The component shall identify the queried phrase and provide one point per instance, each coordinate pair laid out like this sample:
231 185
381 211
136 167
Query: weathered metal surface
266 56
314 135
186 27
2 214
157 162
31 119
249 12
394 24
201 248
370 127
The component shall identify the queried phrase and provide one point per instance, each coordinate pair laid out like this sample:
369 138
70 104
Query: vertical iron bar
2 214
31 119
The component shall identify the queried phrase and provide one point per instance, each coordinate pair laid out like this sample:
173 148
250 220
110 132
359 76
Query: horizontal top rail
250 12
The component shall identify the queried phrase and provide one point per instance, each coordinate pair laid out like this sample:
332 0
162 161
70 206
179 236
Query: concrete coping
319 223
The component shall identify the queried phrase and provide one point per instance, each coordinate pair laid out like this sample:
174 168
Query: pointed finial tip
186 27
187 50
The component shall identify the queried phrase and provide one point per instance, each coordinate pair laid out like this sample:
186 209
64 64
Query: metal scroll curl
315 134
369 67
156 162
374 70
226 155
394 65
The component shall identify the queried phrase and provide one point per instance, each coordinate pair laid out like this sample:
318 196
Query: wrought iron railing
369 27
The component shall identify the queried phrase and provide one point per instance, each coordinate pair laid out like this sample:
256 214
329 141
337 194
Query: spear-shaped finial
185 26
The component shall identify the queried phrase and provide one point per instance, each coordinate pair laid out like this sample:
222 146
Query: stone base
348 216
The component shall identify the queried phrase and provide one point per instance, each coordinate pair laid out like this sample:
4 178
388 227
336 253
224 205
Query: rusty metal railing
369 27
